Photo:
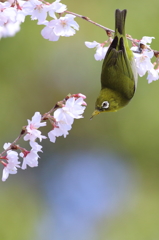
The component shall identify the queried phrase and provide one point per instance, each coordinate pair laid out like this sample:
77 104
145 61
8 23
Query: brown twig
89 20
109 31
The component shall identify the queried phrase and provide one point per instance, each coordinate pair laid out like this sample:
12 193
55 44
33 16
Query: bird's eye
105 104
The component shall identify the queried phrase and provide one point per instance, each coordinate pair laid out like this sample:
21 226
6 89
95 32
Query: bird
119 74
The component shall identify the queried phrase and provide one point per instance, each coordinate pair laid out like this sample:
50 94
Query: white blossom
11 18
143 62
92 44
48 32
11 155
56 7
6 145
22 12
100 50
153 75
74 108
65 116
11 165
62 115
9 29
7 13
146 40
36 9
100 53
31 159
63 125
60 130
33 125
65 26
35 146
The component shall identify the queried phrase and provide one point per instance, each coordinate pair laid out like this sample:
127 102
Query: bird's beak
96 112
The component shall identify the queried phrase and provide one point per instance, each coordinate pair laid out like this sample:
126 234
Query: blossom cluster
14 12
142 54
72 107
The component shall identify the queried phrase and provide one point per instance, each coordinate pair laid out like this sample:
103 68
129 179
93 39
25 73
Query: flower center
39 7
63 23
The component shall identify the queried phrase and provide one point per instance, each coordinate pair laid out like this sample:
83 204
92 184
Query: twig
89 20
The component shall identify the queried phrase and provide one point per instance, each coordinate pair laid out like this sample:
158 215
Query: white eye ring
105 104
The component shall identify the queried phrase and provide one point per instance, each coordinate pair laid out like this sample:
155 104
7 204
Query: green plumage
118 76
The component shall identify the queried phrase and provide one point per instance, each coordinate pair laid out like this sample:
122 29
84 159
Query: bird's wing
117 73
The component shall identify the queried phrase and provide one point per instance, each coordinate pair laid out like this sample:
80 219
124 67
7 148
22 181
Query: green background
35 74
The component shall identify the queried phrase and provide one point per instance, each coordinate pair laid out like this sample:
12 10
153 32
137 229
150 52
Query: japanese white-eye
119 75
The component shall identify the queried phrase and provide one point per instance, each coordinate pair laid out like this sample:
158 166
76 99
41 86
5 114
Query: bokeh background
102 181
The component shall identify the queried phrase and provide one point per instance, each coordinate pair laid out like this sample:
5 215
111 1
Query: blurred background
102 181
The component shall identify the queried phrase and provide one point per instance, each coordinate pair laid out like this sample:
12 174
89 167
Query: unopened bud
109 33
23 130
156 53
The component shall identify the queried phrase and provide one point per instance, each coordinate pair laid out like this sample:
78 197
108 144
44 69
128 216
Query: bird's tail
120 17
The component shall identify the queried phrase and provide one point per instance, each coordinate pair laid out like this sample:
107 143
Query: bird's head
109 101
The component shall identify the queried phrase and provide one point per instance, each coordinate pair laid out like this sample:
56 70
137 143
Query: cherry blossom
12 163
22 11
9 29
61 115
30 159
100 53
6 145
60 130
56 7
11 168
48 32
153 75
73 109
37 10
7 13
62 125
146 40
33 125
65 26
100 50
143 62
35 146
